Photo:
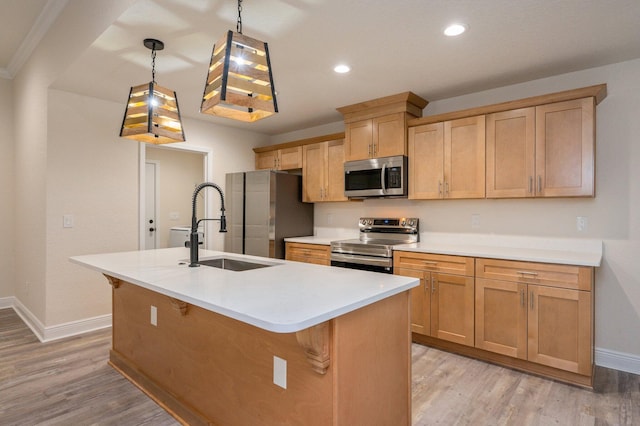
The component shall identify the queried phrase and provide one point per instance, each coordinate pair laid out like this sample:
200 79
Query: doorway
166 192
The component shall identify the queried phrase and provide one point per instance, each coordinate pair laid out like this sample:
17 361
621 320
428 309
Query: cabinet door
464 158
314 165
420 301
389 135
426 161
308 253
501 317
266 160
560 328
452 308
565 135
358 140
335 171
511 153
290 158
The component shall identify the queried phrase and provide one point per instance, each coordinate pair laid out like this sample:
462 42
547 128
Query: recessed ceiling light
455 30
342 69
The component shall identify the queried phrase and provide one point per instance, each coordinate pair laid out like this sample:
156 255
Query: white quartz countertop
283 298
564 251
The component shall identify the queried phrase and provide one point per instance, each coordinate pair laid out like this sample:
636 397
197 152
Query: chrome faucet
193 238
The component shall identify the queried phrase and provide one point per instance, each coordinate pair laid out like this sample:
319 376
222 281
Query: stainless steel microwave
376 177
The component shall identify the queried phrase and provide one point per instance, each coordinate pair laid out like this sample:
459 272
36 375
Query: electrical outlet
174 215
154 316
67 221
280 372
582 223
475 221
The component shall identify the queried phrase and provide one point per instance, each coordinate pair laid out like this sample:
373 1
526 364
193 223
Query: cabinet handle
426 286
531 273
446 189
370 154
522 298
530 184
433 285
430 262
375 149
439 188
532 300
539 183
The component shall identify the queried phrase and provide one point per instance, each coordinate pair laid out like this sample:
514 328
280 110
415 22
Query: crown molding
47 17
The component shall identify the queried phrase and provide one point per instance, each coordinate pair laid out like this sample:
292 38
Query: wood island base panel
205 368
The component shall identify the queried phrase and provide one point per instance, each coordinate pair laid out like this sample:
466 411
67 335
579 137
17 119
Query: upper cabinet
447 159
378 128
542 151
323 172
280 159
542 146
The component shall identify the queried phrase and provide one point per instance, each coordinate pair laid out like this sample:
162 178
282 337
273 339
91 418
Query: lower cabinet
442 305
539 312
309 253
535 317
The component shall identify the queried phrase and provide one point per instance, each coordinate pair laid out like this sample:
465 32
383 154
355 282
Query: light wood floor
68 382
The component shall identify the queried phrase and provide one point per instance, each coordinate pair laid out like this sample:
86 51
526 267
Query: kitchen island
288 343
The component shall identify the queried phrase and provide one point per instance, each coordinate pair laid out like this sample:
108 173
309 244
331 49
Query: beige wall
7 203
177 174
613 215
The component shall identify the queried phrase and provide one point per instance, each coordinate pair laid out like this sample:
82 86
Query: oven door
363 263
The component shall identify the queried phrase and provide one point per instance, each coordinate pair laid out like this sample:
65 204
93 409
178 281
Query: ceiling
391 46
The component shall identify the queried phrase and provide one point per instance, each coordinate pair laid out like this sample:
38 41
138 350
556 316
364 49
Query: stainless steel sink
232 264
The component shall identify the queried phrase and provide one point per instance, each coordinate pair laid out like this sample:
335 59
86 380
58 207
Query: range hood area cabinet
378 128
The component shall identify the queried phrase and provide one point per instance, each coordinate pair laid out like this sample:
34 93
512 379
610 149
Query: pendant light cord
153 65
239 24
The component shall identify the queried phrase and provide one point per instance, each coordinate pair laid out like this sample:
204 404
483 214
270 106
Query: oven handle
382 175
363 260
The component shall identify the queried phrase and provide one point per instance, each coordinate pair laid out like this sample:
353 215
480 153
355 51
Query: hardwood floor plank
68 382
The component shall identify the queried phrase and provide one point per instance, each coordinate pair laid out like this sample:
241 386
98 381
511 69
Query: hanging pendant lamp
152 113
239 82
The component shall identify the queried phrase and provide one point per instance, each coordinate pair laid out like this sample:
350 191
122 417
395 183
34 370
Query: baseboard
60 331
6 302
617 360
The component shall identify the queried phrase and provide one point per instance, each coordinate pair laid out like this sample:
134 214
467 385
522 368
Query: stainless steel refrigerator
263 208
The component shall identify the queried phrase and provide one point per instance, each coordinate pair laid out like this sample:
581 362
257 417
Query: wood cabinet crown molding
402 102
299 142
598 92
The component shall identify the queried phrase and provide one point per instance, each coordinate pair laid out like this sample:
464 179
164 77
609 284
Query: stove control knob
404 223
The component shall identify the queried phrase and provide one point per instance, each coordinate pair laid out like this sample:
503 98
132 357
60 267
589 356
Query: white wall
92 173
7 202
613 215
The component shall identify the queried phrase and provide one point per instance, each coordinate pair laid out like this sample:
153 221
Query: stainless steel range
373 251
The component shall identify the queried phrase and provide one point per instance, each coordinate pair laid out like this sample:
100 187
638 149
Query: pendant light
239 82
152 113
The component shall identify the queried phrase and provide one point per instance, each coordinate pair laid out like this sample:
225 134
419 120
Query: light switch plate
67 221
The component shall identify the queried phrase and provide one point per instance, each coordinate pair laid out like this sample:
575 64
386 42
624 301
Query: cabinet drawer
563 276
309 253
457 265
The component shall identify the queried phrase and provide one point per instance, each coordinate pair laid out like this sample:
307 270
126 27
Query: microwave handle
382 176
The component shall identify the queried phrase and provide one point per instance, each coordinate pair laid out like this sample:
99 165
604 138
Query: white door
150 209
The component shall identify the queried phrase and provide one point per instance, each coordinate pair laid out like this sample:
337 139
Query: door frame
145 225
208 172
